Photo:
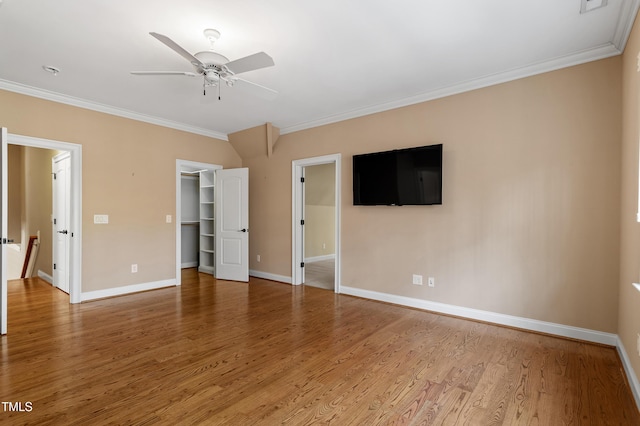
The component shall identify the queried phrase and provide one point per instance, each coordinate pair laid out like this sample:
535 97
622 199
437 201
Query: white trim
297 167
601 52
75 259
95 106
45 277
269 276
628 13
119 291
492 317
319 258
188 265
628 369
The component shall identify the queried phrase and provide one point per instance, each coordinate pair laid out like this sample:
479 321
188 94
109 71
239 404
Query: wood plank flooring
264 353
320 274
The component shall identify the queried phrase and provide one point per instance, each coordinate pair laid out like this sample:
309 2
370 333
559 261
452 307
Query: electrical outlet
431 282
134 268
417 279
168 218
258 257
638 345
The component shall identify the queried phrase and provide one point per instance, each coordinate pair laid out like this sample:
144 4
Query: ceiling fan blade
250 63
255 89
187 73
178 49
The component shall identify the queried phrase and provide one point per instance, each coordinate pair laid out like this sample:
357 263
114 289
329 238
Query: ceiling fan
214 67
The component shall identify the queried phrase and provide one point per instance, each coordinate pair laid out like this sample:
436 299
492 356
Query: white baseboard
476 314
119 291
628 369
44 276
319 258
268 276
188 265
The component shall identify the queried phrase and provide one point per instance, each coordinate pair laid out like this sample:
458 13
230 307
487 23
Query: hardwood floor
320 274
221 353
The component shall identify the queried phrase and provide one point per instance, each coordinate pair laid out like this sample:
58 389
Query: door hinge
302 222
54 221
302 264
54 266
302 179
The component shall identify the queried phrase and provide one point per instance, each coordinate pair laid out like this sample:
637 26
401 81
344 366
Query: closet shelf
207 240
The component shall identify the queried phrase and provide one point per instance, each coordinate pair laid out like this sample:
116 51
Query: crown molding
628 13
95 106
582 57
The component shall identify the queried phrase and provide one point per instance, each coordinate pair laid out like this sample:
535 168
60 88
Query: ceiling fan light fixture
209 57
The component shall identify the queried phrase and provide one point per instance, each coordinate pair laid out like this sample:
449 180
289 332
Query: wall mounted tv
411 176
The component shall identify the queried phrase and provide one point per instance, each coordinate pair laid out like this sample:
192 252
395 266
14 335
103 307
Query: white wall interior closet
190 219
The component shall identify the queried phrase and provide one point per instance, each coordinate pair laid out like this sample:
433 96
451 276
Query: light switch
101 218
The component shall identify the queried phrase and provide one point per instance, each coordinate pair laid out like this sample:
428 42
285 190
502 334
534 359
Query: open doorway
316 214
45 150
319 225
193 216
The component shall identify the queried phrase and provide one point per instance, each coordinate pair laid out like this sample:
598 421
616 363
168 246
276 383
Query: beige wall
530 220
39 204
129 174
629 310
319 214
15 199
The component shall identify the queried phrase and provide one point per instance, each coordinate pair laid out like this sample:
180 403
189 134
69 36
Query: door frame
297 232
75 225
184 165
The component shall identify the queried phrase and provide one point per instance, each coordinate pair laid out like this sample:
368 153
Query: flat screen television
401 177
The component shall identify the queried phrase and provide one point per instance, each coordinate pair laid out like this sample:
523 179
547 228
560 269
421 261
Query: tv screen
411 176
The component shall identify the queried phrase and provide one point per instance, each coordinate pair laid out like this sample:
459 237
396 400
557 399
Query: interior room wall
629 300
320 205
529 224
39 204
15 191
129 174
190 232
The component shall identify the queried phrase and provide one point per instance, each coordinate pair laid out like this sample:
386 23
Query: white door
232 224
3 231
61 219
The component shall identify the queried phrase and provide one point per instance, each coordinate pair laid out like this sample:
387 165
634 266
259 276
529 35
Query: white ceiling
334 59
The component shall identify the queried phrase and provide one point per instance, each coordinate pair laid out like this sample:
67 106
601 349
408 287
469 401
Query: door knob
244 230
64 231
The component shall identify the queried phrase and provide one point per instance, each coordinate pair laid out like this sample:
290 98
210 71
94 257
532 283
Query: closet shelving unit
207 222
